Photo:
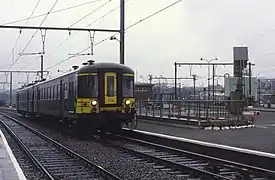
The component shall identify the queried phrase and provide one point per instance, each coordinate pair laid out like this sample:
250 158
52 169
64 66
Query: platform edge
18 169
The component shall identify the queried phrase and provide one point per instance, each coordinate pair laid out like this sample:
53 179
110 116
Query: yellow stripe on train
84 106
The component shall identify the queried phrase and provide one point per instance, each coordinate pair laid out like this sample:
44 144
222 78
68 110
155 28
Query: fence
192 109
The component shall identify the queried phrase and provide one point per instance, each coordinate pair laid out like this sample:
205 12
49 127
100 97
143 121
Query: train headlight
127 102
94 103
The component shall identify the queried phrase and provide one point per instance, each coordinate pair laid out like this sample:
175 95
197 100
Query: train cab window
128 86
110 86
87 86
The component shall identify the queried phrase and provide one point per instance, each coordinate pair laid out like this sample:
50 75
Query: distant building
143 91
267 86
230 84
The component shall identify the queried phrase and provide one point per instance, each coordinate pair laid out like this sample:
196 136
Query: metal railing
192 109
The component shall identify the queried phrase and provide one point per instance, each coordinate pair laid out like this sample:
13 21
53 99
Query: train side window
58 91
128 86
71 89
44 93
72 93
52 92
41 94
54 96
48 93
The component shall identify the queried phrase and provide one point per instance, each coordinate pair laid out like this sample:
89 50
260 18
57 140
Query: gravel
30 171
119 163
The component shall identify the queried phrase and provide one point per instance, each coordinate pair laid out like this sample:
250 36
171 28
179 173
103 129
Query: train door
110 88
61 100
28 100
71 95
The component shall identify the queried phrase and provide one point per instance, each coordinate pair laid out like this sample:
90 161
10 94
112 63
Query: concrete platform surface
259 138
9 168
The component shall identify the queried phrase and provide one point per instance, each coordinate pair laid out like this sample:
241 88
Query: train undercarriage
105 122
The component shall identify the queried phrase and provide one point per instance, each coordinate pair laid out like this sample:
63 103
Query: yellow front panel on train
83 105
110 88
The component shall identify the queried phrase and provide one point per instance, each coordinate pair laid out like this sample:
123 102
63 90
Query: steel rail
106 174
27 151
242 169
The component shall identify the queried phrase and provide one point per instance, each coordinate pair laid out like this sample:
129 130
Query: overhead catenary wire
17 59
87 15
95 21
20 32
109 12
82 18
132 25
53 12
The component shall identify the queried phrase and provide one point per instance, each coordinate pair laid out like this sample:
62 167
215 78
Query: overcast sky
184 33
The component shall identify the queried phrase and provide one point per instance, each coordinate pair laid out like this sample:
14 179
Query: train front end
105 95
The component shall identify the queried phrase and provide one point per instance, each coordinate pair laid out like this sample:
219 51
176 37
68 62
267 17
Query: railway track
187 164
53 159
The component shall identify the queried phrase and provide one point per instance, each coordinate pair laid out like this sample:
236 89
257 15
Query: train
98 96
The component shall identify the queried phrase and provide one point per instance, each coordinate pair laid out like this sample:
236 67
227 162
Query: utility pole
213 81
11 79
171 78
208 77
42 66
208 64
10 89
250 88
176 74
150 78
43 36
41 60
259 92
194 85
122 29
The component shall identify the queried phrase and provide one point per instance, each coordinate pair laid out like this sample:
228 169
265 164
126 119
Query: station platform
259 138
9 168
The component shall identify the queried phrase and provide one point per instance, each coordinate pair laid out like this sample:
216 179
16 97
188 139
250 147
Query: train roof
93 67
30 85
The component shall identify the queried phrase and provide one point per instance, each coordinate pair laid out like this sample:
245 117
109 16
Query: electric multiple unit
98 94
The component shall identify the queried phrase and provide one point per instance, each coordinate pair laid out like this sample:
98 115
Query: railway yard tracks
187 164
53 159
60 162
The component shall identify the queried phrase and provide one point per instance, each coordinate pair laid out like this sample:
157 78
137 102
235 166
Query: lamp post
208 76
259 89
114 38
